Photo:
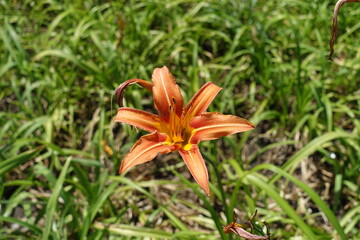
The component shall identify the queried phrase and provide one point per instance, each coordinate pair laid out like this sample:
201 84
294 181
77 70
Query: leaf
28 225
52 203
128 230
310 148
9 164
288 210
311 193
176 222
212 211
95 206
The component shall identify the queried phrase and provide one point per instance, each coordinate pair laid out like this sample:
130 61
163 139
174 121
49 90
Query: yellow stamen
177 129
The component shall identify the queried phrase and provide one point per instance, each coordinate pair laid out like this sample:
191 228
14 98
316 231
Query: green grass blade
311 193
99 201
177 222
132 231
288 210
207 204
52 203
310 148
88 162
29 226
6 67
8 164
350 218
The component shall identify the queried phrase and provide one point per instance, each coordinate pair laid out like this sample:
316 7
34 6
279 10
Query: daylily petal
210 126
145 150
245 234
195 163
167 95
120 90
144 120
202 99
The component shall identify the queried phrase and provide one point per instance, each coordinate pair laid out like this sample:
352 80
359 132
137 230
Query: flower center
178 131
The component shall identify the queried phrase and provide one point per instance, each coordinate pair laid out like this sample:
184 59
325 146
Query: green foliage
60 149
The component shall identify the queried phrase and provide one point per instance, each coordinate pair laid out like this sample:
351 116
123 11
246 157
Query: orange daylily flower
176 128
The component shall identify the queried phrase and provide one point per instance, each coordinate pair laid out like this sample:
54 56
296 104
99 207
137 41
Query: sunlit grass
60 64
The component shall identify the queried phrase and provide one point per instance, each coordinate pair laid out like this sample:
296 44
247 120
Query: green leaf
52 203
282 203
212 211
177 222
9 164
29 226
128 230
311 193
90 215
310 148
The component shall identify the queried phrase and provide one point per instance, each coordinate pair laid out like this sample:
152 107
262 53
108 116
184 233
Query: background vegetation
60 149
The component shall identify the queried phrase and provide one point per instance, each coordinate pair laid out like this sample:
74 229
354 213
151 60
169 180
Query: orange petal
119 92
167 95
145 150
197 167
202 99
144 120
210 126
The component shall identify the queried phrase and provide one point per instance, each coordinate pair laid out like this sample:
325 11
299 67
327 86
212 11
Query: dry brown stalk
334 26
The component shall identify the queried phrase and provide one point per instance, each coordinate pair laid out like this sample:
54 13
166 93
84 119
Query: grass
60 149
